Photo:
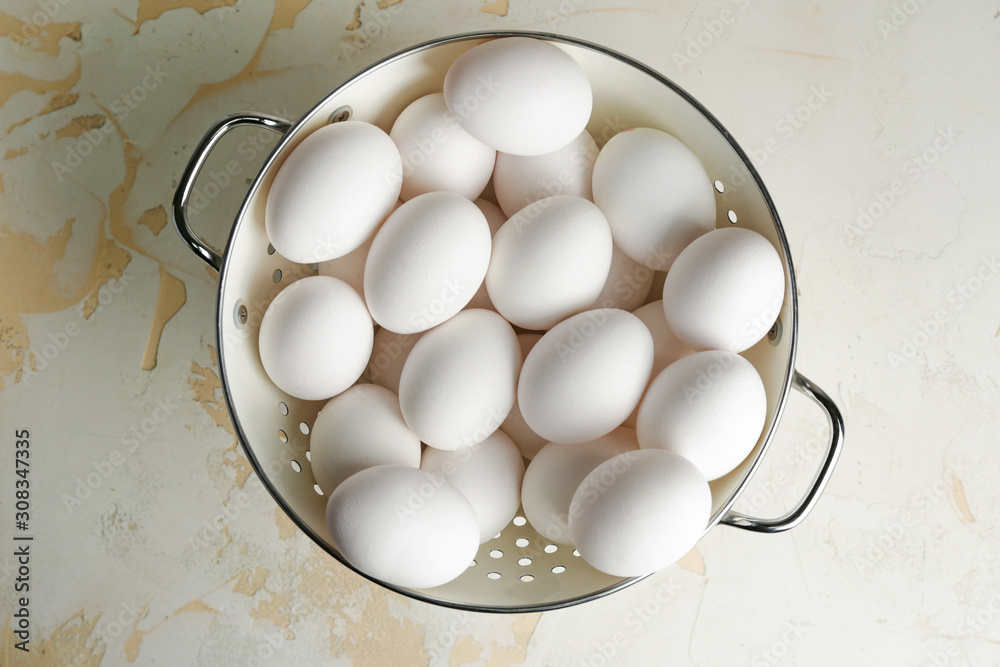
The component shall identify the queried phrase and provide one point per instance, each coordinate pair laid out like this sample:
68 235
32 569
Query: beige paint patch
958 493
131 646
249 582
13 345
28 263
693 561
376 633
207 390
276 610
286 527
383 4
464 651
356 21
81 124
149 10
283 18
13 82
155 219
109 264
43 39
498 7
14 152
69 644
171 297
59 101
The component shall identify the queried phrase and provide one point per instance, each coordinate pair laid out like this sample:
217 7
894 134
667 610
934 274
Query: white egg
332 191
667 347
351 267
458 384
519 180
403 526
555 474
585 375
526 440
725 290
360 428
550 260
389 354
488 474
426 262
627 285
709 407
519 95
315 338
655 194
639 512
437 153
495 218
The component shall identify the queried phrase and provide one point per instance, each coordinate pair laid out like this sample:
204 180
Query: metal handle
201 153
800 511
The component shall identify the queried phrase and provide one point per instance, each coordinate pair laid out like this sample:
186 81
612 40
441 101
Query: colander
519 570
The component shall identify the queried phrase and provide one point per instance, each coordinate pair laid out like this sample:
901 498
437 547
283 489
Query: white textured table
874 125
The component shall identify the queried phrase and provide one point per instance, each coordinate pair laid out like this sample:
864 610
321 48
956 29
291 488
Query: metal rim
223 275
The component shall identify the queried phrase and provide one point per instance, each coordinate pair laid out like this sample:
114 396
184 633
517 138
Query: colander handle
802 509
198 159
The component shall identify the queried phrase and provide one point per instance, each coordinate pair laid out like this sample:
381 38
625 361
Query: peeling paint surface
876 129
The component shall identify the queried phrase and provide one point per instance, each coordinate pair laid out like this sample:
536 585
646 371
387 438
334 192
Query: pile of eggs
520 331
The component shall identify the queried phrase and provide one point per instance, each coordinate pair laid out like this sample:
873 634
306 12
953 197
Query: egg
639 512
488 474
437 153
458 384
519 180
627 285
332 191
526 440
667 347
725 290
519 95
389 353
555 474
426 262
585 375
709 407
495 219
315 338
358 429
550 260
403 526
655 193
351 267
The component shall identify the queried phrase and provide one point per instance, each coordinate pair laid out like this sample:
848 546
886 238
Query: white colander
519 570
